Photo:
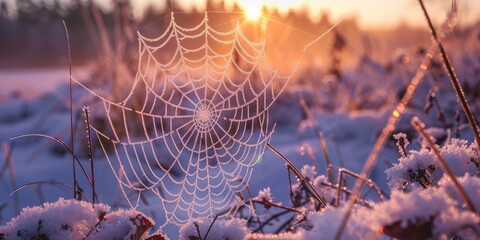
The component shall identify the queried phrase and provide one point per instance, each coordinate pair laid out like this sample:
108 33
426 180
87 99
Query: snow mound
433 211
421 166
219 230
324 224
72 219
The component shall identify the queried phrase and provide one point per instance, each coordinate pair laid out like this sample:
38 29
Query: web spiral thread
194 122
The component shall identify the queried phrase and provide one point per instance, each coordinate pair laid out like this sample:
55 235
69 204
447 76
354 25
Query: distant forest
36 36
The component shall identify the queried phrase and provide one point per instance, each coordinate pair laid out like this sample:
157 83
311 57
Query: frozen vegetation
237 150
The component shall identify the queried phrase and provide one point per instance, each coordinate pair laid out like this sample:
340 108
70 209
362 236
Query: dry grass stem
453 77
297 172
390 126
72 132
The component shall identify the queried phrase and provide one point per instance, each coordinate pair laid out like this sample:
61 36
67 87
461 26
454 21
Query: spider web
194 122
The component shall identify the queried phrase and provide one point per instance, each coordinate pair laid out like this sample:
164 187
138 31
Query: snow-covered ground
32 83
349 137
36 102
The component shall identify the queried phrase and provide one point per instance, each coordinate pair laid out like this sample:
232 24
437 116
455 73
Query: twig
274 216
284 225
210 227
290 184
61 142
418 125
321 139
72 134
347 192
453 77
271 204
250 197
323 144
90 154
310 188
7 151
45 182
198 230
369 182
7 162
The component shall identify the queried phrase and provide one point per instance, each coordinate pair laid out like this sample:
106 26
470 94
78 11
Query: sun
252 8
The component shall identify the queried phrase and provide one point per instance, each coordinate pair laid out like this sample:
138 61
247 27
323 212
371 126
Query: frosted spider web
194 122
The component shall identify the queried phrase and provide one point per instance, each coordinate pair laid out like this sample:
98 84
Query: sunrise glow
252 8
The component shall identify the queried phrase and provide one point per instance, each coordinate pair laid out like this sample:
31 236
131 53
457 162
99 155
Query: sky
370 13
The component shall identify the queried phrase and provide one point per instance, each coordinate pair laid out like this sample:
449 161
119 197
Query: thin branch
198 230
271 204
90 154
320 137
64 144
7 151
210 227
274 216
310 188
45 182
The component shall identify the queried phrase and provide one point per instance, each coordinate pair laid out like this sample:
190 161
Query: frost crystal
402 143
265 195
195 121
309 172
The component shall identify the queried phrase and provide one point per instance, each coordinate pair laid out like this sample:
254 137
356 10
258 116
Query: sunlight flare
252 8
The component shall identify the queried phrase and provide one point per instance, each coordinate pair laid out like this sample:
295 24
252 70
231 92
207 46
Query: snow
324 225
442 204
122 224
72 219
264 195
25 83
417 205
470 183
457 153
327 192
350 129
309 171
221 229
64 219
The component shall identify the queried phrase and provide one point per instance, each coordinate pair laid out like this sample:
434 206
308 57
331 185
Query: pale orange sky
370 13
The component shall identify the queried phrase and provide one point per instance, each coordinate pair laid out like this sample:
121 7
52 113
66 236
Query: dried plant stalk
370 183
453 77
309 186
382 139
72 132
90 153
391 124
321 139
